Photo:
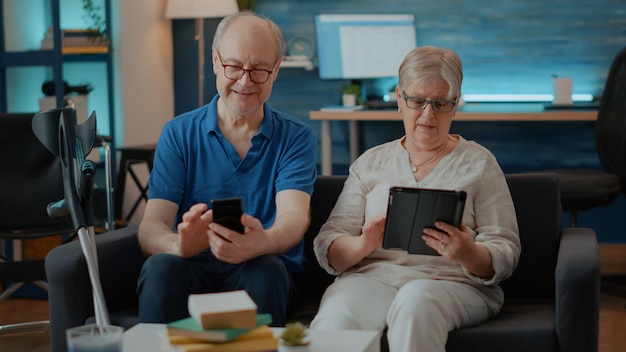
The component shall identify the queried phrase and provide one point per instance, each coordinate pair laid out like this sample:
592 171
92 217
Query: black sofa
552 299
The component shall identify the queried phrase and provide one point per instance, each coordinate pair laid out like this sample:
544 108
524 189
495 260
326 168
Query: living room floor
612 322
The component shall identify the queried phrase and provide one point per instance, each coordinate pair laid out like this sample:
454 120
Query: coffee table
148 337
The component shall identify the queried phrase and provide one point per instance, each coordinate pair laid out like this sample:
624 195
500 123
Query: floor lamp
200 9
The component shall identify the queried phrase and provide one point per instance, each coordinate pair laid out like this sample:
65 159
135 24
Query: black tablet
410 210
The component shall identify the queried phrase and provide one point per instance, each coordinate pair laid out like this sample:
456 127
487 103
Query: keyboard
379 104
574 106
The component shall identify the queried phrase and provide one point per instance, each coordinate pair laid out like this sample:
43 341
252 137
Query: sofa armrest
578 290
69 287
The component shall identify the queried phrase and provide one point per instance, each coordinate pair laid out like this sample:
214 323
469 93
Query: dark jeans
166 281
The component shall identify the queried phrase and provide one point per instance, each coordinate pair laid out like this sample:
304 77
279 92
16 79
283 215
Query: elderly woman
420 298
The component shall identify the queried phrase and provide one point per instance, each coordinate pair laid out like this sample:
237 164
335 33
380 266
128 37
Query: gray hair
226 22
429 62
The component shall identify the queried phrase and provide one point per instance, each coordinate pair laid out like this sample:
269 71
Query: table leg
327 162
354 140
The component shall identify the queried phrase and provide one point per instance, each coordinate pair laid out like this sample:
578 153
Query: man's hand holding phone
227 212
230 247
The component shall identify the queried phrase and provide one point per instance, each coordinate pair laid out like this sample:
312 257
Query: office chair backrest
30 178
611 124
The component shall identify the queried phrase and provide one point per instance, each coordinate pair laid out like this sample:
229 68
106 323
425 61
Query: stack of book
222 322
77 41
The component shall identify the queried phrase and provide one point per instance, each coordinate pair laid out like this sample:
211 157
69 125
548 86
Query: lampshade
200 8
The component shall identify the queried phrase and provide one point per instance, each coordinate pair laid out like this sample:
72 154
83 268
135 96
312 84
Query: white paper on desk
341 108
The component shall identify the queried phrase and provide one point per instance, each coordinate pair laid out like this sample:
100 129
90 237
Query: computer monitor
358 46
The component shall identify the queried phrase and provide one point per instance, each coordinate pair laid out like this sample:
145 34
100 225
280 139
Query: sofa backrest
538 207
312 281
537 202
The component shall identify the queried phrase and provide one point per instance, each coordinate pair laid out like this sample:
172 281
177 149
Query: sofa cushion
518 328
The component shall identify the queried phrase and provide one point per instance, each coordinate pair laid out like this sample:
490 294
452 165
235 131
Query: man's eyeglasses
421 103
256 75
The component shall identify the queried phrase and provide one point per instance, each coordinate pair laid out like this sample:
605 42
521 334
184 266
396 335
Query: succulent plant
294 334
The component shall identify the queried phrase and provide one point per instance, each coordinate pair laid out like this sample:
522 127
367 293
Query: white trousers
419 315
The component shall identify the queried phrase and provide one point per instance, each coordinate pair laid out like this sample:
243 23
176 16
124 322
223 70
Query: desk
493 112
150 337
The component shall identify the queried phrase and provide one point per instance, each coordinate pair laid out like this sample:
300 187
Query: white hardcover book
223 310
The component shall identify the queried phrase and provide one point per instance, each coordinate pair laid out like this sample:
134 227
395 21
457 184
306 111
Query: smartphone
227 212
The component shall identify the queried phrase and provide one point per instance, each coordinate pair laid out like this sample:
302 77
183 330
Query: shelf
307 65
27 58
85 58
44 58
54 59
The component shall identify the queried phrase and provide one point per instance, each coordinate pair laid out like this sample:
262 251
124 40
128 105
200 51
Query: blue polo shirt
194 163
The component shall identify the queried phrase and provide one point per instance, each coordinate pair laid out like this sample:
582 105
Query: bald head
253 27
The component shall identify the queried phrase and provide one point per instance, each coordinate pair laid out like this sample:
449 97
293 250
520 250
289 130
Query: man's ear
215 58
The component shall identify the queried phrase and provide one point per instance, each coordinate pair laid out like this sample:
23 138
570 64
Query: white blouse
489 214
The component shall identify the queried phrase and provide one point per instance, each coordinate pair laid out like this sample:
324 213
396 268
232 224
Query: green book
189 327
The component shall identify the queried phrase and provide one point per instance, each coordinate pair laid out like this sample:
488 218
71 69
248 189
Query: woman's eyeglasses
418 103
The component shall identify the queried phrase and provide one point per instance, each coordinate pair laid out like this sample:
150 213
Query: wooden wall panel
507 47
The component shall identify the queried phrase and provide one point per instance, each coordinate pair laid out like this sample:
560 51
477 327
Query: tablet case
410 210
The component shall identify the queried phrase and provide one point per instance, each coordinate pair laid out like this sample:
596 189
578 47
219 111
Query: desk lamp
200 9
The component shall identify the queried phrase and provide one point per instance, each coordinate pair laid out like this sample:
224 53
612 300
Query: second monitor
363 46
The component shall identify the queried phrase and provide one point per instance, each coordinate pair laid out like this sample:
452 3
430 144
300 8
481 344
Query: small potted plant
293 338
93 14
351 94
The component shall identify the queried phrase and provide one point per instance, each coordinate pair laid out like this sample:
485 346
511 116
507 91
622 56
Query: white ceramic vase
348 99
